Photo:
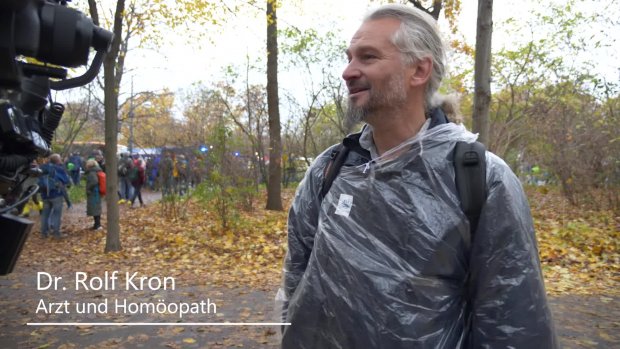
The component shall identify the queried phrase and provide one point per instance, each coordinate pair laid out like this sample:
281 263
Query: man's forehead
377 31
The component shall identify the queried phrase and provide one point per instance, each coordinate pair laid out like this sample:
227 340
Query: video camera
59 37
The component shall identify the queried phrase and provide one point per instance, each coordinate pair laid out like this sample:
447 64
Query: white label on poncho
344 205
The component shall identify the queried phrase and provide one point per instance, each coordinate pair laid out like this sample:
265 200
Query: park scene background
553 116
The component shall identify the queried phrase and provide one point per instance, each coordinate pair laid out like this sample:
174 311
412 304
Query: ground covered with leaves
239 268
579 248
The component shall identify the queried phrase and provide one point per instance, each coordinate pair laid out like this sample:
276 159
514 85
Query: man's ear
421 72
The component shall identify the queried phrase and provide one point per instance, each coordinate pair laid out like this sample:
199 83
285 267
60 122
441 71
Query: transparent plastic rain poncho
382 260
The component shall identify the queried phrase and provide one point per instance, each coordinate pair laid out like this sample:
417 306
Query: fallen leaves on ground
578 247
193 250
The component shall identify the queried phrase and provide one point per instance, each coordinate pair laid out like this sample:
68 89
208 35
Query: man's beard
393 96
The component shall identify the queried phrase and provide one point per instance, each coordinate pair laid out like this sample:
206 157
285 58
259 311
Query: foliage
76 194
148 21
81 121
203 111
550 107
579 248
246 108
229 181
577 127
221 198
174 206
153 122
232 124
319 120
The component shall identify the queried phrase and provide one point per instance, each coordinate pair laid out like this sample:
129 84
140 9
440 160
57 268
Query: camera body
58 37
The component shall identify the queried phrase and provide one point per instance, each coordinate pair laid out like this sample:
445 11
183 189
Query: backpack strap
48 180
470 178
331 170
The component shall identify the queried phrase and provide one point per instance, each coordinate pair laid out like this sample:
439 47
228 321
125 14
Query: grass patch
77 194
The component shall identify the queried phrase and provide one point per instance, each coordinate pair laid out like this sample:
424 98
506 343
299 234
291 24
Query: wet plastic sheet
382 261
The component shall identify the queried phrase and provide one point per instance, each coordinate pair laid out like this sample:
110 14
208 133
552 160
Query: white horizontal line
158 323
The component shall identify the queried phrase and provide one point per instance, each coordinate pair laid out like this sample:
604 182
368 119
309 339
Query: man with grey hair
386 258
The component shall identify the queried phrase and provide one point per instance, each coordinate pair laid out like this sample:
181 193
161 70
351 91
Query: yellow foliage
578 248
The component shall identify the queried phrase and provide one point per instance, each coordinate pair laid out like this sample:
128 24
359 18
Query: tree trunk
274 183
111 78
482 70
113 241
434 10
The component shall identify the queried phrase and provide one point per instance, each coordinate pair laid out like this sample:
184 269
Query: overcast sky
176 64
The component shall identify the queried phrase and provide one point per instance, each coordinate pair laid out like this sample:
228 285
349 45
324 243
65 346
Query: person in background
93 198
52 184
151 171
125 166
98 156
76 160
138 180
166 169
181 171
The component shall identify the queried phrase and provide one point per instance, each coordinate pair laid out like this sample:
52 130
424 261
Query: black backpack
124 166
469 168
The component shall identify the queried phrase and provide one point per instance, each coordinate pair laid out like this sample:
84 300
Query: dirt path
232 305
76 215
587 321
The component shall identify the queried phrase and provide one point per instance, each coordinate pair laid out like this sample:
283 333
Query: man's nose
351 71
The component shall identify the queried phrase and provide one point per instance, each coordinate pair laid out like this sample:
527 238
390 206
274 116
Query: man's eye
368 57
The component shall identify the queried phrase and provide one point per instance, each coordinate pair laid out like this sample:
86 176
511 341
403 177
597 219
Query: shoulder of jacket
498 171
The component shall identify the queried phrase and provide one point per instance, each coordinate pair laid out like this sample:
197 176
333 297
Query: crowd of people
168 172
56 177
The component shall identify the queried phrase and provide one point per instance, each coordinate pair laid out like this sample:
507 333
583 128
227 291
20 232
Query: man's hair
418 37
55 158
